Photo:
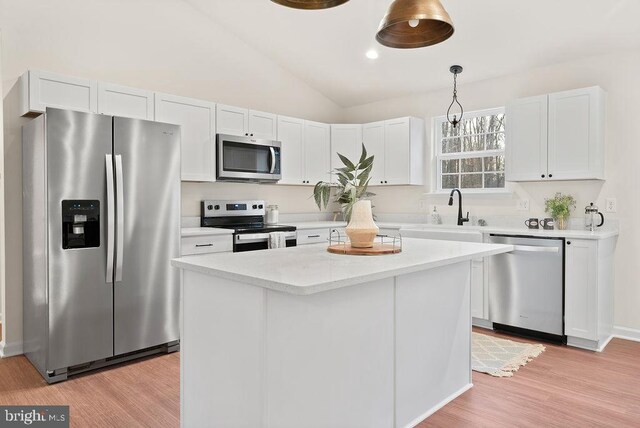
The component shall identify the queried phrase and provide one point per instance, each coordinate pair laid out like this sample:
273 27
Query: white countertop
312 269
202 231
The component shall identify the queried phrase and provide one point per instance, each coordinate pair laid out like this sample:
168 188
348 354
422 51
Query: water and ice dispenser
80 224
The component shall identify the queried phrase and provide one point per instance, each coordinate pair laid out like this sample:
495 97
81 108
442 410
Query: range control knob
217 207
260 206
209 207
255 207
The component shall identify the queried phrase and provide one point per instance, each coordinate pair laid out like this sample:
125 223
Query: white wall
160 45
2 242
618 75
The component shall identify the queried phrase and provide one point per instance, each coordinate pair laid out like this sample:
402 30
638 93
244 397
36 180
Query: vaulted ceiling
493 38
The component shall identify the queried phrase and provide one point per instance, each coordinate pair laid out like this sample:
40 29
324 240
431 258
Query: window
471 156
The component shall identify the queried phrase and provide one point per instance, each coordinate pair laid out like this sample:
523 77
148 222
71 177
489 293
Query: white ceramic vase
361 229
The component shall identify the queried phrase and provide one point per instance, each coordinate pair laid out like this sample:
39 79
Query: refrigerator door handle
119 217
111 214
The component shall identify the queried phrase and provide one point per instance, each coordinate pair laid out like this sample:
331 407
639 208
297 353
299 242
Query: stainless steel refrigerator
101 222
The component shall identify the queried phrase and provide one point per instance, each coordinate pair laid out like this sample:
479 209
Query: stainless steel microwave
247 159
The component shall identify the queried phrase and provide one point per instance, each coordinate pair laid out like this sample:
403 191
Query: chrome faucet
461 220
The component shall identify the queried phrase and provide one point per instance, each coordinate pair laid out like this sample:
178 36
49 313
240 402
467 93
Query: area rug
501 357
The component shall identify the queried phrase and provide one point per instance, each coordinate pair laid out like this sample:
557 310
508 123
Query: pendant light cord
455 121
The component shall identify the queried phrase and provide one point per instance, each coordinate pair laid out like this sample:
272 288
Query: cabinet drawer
206 244
313 236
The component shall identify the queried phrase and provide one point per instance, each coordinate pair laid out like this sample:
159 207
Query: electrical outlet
611 205
523 205
422 204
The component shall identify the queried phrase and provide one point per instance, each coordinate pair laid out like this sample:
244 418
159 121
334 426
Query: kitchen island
301 337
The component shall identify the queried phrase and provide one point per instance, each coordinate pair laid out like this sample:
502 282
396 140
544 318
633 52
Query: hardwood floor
564 387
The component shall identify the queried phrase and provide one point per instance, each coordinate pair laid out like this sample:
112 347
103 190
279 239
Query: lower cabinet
589 279
204 244
317 236
478 290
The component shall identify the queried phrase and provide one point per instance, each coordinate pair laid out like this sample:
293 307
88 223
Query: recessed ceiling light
372 54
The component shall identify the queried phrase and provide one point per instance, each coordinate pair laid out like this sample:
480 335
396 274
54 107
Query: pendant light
310 4
455 69
414 24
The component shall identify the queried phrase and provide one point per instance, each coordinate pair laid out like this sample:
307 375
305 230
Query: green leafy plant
353 180
560 206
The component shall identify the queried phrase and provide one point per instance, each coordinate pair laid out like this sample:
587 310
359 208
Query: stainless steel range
246 218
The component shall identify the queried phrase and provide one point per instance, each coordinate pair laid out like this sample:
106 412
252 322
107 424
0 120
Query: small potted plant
559 207
352 195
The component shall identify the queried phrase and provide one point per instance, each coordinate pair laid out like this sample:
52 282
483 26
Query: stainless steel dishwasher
526 286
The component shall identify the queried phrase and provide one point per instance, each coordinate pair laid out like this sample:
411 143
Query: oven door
258 241
248 159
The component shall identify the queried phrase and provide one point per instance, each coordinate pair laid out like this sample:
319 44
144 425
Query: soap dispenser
435 216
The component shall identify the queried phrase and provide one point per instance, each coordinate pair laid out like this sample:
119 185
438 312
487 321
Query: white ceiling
493 38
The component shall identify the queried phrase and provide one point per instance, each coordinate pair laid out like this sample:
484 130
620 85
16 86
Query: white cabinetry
346 140
122 101
204 244
479 292
589 281
556 137
251 123
305 150
373 139
42 89
198 124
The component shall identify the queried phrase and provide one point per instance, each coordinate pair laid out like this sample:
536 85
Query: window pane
473 143
449 131
494 163
495 141
471 165
494 123
450 181
451 146
494 181
450 166
472 181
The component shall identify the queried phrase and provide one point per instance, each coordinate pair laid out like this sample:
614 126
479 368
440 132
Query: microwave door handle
111 213
273 160
120 218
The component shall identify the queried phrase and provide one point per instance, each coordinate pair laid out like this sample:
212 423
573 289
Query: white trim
10 349
482 323
439 406
626 333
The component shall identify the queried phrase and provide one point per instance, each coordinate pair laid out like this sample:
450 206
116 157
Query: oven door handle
273 160
248 238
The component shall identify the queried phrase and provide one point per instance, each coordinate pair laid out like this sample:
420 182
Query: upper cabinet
305 150
398 146
556 137
346 140
123 101
197 120
251 123
42 89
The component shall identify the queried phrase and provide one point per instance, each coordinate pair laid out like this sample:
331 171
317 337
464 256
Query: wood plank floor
564 387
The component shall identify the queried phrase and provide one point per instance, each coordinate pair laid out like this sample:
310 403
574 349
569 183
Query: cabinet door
581 312
373 139
575 134
122 101
197 120
263 125
232 120
291 132
317 152
397 158
346 140
526 145
41 89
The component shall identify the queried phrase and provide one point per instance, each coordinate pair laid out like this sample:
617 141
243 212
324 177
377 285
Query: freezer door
80 298
146 286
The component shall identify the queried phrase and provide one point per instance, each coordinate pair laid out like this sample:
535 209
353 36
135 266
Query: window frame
439 156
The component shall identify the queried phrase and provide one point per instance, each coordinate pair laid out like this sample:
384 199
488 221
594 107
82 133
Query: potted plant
352 195
559 207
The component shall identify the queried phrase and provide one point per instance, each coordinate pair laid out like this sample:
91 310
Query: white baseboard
10 349
626 333
439 406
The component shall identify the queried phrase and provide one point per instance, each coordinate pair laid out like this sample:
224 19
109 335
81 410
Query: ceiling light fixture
414 24
455 69
310 4
372 54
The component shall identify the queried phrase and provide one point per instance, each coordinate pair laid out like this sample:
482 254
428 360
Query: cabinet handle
252 135
203 245
550 175
386 182
542 175
313 236
568 242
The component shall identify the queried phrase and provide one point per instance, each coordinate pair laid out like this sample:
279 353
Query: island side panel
330 358
222 353
433 340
